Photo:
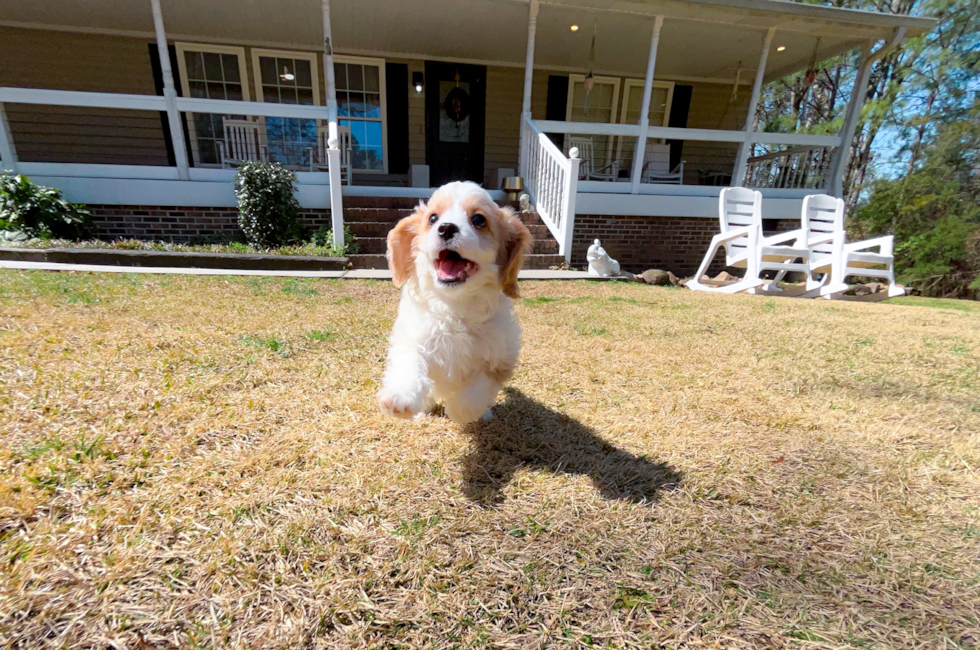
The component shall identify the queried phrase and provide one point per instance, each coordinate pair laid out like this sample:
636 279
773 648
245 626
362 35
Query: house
624 118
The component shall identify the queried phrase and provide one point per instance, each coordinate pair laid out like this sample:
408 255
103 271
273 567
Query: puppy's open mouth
453 268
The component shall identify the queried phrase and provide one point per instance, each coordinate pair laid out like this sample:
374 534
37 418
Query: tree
934 212
930 80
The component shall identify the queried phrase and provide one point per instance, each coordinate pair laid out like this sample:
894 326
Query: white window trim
580 78
182 48
339 58
257 80
285 54
638 84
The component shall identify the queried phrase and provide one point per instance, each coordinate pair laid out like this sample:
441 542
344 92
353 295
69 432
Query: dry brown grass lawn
198 462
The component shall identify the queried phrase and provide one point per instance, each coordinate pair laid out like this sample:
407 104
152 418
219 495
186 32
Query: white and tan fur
454 343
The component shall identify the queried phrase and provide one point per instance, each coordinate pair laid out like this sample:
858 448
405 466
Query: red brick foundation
639 243
671 243
674 244
178 224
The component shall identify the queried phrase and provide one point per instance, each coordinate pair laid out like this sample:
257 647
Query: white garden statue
600 263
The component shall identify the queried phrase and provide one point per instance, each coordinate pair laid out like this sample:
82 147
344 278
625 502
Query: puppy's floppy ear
401 249
515 243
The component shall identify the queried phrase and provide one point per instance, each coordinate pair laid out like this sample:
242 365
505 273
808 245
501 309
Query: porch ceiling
705 39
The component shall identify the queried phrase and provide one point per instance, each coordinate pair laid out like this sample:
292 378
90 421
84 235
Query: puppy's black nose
448 230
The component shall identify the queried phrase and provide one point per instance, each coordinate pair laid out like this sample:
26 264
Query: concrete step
378 261
378 245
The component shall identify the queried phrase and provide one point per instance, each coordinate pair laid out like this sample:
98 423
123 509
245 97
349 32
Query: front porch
633 131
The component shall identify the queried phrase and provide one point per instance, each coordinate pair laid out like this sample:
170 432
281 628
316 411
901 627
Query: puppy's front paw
398 405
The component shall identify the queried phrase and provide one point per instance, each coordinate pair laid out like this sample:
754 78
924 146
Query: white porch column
8 154
170 94
738 175
842 155
641 142
838 165
532 26
333 140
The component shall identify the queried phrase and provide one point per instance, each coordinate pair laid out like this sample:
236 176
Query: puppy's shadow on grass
527 434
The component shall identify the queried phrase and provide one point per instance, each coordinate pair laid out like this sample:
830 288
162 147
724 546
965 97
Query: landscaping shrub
268 212
37 211
322 237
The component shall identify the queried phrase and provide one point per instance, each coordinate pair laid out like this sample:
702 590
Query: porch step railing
551 180
792 168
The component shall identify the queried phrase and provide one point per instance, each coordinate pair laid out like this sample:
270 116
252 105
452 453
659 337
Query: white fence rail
793 168
551 180
187 106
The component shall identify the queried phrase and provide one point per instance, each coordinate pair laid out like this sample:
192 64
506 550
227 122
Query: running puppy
455 340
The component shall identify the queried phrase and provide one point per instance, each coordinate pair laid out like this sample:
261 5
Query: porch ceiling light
574 28
417 81
286 74
780 48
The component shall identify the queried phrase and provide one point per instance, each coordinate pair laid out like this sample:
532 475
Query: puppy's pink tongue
451 270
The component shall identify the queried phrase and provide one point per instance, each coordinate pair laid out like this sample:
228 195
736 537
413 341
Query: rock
725 276
705 278
876 287
657 277
673 279
629 277
861 290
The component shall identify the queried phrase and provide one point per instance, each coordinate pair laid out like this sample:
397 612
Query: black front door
455 114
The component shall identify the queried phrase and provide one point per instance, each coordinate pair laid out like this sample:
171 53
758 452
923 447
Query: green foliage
268 212
38 211
934 213
323 238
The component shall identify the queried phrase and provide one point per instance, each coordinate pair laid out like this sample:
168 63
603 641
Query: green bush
322 237
268 212
38 211
934 213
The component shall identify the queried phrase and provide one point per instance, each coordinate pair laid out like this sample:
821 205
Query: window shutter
679 108
157 72
556 105
396 91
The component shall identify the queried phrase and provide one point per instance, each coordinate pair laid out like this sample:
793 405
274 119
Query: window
599 106
661 95
361 108
210 72
287 78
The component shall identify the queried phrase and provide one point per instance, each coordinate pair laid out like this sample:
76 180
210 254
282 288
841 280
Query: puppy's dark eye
433 218
478 221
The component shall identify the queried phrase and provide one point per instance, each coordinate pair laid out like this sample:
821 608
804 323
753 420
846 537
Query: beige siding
64 61
505 95
710 109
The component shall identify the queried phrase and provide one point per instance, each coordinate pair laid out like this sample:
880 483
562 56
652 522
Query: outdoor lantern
512 185
417 81
286 74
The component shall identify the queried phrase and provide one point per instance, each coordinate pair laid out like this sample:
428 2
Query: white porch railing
551 180
793 168
612 131
10 160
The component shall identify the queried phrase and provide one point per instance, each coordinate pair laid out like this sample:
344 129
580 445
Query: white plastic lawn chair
740 213
318 154
656 166
836 259
240 144
590 169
